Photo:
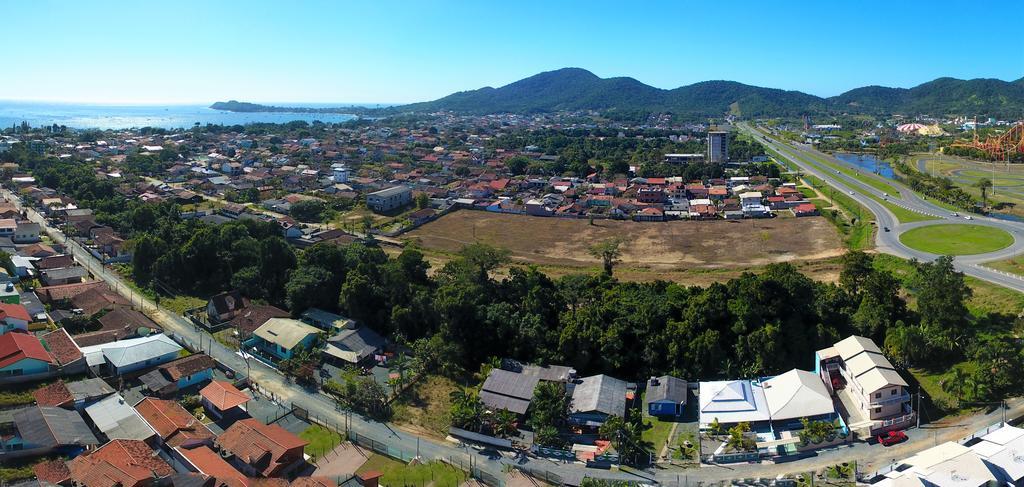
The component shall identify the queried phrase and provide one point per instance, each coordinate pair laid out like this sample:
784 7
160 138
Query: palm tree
984 184
401 364
503 423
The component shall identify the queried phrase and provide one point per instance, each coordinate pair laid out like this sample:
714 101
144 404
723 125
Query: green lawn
656 430
321 440
398 474
956 239
180 304
931 384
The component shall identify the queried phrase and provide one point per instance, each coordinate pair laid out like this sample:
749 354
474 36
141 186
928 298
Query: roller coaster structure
999 148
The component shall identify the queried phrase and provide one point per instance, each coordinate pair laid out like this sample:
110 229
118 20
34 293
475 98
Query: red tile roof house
119 463
805 209
65 351
63 293
13 317
259 449
221 399
205 461
23 358
173 424
95 300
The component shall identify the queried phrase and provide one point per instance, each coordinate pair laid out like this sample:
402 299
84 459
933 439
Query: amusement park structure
1002 147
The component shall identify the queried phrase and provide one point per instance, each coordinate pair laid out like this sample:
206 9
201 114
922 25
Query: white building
339 173
130 355
732 402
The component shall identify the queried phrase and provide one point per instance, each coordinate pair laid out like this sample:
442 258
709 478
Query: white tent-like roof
732 401
797 394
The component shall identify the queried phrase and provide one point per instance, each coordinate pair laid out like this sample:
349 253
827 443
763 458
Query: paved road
889 242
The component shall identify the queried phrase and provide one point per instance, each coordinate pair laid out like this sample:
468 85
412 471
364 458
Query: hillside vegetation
574 89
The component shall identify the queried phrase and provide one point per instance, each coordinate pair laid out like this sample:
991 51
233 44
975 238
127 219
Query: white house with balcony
873 393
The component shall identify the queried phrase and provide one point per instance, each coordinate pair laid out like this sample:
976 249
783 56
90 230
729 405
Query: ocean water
84 116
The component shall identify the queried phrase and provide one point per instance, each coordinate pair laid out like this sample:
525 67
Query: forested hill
578 89
992 97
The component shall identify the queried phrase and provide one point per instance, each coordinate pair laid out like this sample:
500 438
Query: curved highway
888 241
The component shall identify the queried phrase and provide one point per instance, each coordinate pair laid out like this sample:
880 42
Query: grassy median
956 239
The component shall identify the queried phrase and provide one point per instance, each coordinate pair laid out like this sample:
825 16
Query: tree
627 439
309 287
362 394
609 252
517 164
146 249
307 210
467 412
739 440
904 344
549 407
857 266
503 423
422 200
249 281
815 431
942 295
479 259
984 184
715 427
547 436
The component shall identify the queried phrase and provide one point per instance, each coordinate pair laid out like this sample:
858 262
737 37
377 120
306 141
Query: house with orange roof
173 424
259 449
119 463
222 399
201 459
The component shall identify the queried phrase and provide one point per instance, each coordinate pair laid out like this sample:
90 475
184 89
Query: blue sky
403 51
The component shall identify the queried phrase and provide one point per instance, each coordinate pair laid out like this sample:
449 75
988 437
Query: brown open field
712 248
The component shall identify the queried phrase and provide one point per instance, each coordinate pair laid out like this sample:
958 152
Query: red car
892 438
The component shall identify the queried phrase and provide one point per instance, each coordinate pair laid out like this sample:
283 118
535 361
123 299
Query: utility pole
918 406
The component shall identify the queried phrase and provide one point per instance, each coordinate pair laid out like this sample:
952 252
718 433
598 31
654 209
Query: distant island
246 107
575 89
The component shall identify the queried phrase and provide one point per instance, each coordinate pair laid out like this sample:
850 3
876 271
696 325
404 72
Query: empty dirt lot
656 246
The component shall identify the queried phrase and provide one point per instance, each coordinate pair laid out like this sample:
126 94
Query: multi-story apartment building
718 146
872 392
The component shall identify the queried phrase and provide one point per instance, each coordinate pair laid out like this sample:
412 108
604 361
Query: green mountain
579 89
941 96
576 89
